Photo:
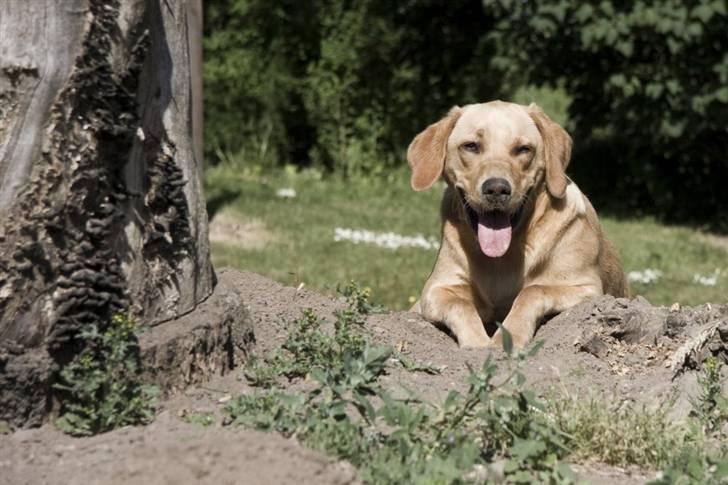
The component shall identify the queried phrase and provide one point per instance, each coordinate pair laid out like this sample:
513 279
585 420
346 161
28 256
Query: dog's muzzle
473 216
494 228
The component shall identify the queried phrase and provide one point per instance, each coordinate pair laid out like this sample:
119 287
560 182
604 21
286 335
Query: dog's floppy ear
557 150
426 153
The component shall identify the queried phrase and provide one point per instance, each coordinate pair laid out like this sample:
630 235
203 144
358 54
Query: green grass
619 433
301 247
678 252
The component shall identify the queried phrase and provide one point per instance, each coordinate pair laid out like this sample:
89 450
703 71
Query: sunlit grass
302 247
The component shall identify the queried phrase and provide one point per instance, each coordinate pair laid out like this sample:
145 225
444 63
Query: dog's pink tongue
494 234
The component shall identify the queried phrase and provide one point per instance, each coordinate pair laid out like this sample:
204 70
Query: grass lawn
295 237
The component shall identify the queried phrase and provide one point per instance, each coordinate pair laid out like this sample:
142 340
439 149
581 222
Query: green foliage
649 88
309 349
693 466
618 433
711 407
358 299
348 414
706 459
200 418
621 433
498 430
554 101
407 440
345 85
101 388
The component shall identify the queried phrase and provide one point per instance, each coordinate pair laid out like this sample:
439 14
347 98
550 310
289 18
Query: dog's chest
498 284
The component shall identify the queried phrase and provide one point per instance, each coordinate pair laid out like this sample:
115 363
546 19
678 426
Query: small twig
213 390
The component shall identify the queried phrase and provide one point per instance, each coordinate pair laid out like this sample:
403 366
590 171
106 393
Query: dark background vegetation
345 85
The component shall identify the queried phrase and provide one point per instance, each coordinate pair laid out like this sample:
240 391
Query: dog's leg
452 306
535 302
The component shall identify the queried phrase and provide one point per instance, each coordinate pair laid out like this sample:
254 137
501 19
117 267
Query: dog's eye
471 147
522 150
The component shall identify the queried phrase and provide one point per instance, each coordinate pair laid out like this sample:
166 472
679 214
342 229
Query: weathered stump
100 176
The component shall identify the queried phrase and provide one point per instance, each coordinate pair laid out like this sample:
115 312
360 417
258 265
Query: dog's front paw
496 341
518 339
474 342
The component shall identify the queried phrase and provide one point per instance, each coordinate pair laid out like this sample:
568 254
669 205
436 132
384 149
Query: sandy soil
244 233
607 348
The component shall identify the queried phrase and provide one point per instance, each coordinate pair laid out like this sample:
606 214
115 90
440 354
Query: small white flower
646 276
286 193
388 240
707 280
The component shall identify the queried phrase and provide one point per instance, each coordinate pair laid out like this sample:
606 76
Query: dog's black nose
496 189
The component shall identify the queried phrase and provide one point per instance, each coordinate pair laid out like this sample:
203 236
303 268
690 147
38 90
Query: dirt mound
624 332
168 451
607 348
604 348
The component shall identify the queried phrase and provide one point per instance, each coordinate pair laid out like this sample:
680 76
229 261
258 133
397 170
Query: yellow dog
520 241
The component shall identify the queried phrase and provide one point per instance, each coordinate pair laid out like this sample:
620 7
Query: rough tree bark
100 187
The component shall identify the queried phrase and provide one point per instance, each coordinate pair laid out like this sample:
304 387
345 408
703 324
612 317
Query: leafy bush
348 414
101 388
309 348
342 84
706 461
649 88
693 466
357 299
407 440
711 407
306 348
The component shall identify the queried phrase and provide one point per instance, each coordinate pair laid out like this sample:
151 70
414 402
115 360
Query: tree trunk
100 169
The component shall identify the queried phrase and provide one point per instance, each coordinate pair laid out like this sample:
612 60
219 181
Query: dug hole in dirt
606 348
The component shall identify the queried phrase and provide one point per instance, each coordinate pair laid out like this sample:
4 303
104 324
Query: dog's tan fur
558 255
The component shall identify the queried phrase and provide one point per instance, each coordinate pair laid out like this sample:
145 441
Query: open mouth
494 229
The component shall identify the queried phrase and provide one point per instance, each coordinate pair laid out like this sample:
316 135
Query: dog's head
496 156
